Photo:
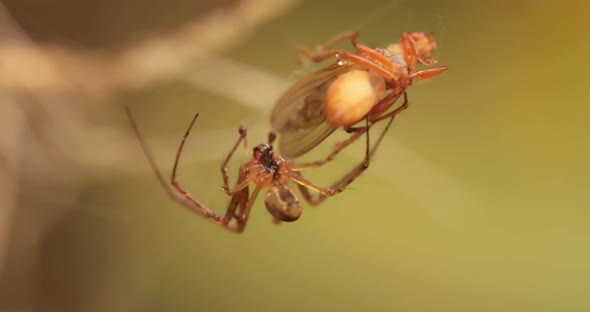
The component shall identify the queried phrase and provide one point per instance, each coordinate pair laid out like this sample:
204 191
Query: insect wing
299 116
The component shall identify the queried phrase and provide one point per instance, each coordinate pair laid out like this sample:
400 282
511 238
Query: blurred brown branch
46 95
55 68
63 80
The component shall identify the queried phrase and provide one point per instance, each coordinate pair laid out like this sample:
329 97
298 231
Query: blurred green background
477 200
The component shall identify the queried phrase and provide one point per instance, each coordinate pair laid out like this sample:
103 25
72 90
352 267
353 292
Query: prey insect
265 170
364 84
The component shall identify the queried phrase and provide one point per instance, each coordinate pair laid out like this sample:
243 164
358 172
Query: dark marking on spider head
264 155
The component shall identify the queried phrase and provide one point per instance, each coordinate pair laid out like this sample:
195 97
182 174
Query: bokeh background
476 201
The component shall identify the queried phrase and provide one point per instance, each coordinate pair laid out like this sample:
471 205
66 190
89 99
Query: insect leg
426 59
409 48
322 51
325 50
376 114
428 73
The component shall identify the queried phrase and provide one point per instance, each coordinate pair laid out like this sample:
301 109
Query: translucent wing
298 117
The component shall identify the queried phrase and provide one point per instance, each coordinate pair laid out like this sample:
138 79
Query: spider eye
263 149
259 150
282 204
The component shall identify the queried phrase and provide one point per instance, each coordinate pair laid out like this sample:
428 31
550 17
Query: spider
364 84
264 170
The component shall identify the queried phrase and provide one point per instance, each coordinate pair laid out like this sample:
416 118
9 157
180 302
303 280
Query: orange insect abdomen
352 95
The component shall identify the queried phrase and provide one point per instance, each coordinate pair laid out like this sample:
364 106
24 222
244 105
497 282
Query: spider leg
357 132
338 187
380 107
427 59
245 181
305 186
305 55
184 198
245 206
238 200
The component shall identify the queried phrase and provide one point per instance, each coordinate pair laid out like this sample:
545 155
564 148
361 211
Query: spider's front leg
173 189
241 201
242 181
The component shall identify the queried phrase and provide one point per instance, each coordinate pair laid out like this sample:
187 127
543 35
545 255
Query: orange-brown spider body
265 167
265 170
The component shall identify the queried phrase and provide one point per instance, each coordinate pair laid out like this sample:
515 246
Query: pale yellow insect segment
352 95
